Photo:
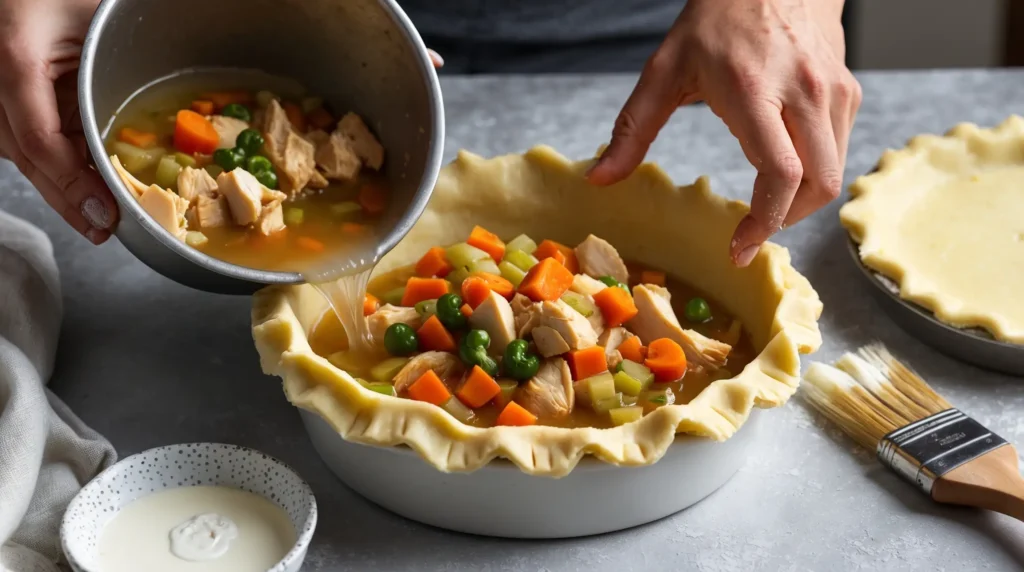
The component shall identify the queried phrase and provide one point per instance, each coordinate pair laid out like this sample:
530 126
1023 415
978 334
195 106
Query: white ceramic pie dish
186 464
594 498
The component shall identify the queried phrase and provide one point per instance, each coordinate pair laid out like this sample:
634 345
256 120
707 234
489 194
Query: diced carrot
515 415
587 362
222 99
138 138
560 252
203 106
546 281
419 289
488 242
429 388
370 304
616 306
475 290
320 118
633 350
307 243
496 283
652 277
478 389
466 310
666 360
434 337
433 263
193 133
295 116
373 197
353 228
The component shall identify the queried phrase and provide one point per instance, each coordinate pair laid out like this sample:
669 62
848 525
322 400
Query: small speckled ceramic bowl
187 464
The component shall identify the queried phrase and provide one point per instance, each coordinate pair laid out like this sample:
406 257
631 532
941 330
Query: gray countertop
147 362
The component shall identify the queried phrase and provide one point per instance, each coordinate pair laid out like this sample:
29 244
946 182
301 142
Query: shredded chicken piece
365 145
193 183
228 129
597 258
212 212
379 321
447 367
656 319
166 208
576 330
135 186
550 393
494 315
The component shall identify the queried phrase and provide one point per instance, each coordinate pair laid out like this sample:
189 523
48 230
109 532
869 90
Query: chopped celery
185 160
386 370
347 361
511 272
456 409
294 216
346 209
311 103
522 243
520 259
659 397
426 308
629 399
600 387
484 265
608 403
623 415
508 388
135 159
214 169
381 387
580 303
462 254
637 371
394 297
628 384
167 170
456 277
732 336
195 239
263 98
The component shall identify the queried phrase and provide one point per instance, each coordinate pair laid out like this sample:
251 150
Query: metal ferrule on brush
927 449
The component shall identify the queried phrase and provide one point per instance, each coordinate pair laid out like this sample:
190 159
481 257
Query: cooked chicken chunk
365 145
276 128
656 319
576 330
549 393
494 315
228 129
586 285
379 321
317 137
134 185
270 195
244 193
212 212
166 208
610 340
291 154
549 342
317 180
447 366
193 183
337 157
598 258
271 219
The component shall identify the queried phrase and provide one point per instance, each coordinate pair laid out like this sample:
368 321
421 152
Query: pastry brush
884 405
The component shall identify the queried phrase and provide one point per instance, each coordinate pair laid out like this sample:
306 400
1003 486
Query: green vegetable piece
195 239
167 172
267 178
458 410
698 311
473 351
382 388
512 273
449 311
637 371
600 387
487 265
463 254
251 141
236 110
628 384
508 388
520 259
457 276
658 397
185 160
294 216
387 369
608 403
394 297
610 281
136 159
426 308
580 303
229 159
522 243
401 340
519 363
346 209
623 415
264 97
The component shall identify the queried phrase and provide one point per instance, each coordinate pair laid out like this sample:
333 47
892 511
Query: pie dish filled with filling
531 316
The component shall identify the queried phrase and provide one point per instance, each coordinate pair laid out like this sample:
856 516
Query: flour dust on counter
196 529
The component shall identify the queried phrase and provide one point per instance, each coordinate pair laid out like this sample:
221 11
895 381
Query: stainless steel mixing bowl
359 55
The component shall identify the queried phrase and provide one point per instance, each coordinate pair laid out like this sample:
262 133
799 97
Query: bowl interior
189 464
359 55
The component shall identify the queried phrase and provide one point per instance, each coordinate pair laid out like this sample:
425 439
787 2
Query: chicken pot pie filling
503 328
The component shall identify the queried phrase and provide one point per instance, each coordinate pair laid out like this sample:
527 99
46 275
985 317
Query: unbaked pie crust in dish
944 218
682 230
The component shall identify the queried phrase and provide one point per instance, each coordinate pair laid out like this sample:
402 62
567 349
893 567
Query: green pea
612 282
229 159
449 312
267 178
401 340
519 363
473 351
250 140
236 110
258 164
698 311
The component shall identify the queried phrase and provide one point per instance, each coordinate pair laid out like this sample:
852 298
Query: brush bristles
869 394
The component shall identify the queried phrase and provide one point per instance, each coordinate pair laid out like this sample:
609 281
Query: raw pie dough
682 230
944 218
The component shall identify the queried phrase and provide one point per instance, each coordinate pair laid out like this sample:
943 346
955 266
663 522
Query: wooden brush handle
991 481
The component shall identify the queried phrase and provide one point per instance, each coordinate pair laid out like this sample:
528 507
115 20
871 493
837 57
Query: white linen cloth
46 453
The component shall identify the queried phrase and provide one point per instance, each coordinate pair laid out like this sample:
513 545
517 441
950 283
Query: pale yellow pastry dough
944 218
683 230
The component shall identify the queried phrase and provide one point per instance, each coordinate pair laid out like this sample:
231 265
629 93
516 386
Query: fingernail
439 61
746 255
96 236
96 212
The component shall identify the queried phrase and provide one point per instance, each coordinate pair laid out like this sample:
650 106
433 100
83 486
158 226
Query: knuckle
626 126
813 84
36 142
746 79
830 183
856 93
661 62
787 169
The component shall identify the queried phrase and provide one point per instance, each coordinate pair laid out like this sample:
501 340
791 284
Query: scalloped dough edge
964 144
531 193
